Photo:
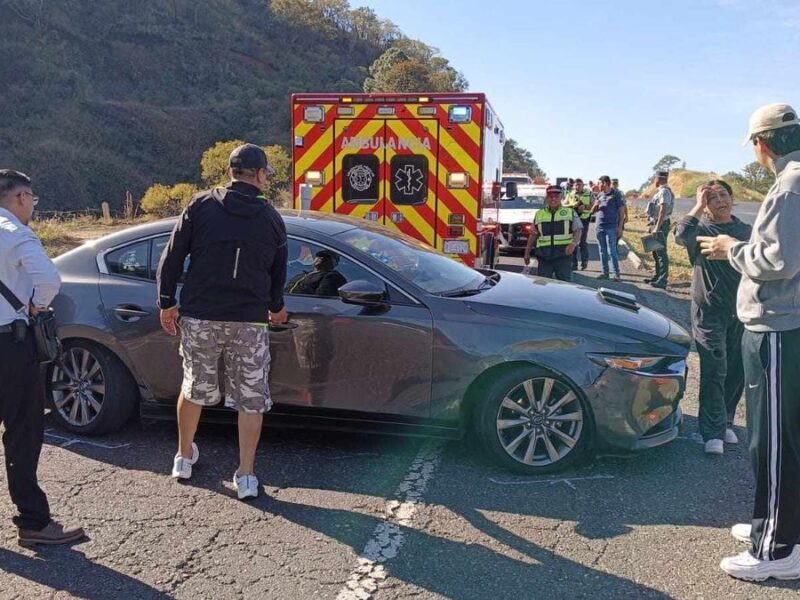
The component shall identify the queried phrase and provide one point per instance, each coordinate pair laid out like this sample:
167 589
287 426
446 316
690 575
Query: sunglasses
34 198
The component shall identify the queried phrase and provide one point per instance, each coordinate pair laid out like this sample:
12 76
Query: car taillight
487 227
526 228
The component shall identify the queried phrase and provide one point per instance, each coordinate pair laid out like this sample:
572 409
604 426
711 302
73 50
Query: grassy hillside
103 97
684 184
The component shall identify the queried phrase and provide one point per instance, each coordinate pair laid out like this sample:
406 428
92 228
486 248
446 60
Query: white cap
771 116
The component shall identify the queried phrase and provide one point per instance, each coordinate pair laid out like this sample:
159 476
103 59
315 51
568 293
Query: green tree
757 177
518 159
412 66
183 192
163 201
666 163
214 165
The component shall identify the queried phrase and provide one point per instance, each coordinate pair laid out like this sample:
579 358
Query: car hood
514 293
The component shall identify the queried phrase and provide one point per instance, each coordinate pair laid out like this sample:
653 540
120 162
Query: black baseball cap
249 156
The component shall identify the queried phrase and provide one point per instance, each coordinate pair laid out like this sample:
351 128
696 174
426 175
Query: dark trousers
718 337
772 390
22 414
583 247
660 257
555 268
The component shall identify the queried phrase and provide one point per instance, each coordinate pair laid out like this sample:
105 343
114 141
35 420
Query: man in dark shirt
236 244
717 330
609 224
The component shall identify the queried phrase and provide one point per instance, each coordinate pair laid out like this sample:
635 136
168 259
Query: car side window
316 271
131 260
157 249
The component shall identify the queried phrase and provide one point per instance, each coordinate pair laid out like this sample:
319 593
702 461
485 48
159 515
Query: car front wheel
534 422
89 390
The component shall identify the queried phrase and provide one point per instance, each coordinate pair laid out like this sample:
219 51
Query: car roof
296 222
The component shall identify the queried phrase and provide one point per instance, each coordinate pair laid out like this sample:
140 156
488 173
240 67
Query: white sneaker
246 486
714 447
182 467
730 437
745 566
741 532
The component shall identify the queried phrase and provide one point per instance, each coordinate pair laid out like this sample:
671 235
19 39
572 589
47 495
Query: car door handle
129 313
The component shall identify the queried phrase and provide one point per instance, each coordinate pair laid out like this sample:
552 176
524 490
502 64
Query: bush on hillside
163 201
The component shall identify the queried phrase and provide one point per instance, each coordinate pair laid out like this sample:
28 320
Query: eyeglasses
35 199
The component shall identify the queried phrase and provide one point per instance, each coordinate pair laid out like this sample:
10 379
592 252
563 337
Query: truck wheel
90 391
533 422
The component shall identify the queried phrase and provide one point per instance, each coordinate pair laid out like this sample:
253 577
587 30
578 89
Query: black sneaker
662 285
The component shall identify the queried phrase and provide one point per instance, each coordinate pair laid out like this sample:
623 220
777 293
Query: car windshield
420 264
522 202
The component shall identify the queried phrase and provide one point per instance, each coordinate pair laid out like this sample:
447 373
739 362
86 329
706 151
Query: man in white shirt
31 276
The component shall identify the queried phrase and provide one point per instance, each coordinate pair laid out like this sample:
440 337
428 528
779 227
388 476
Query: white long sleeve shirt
25 268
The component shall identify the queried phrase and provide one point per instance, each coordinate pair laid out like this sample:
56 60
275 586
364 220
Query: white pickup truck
515 216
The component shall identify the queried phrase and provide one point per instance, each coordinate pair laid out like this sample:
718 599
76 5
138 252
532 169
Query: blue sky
594 88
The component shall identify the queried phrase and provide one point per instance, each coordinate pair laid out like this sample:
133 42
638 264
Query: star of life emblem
409 180
360 177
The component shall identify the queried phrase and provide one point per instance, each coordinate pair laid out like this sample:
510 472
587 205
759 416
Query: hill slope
102 97
684 184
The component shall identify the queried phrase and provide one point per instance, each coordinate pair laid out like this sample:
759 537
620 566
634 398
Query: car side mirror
364 293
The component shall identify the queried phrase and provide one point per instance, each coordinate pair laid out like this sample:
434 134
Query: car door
129 303
346 357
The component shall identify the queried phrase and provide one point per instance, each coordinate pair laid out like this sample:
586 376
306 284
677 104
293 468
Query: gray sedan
393 337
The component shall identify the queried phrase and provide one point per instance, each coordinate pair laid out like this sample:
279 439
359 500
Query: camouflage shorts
243 348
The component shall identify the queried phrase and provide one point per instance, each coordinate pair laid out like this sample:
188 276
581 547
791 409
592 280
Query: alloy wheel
78 387
540 421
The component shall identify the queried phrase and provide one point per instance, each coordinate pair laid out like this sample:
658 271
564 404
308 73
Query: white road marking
568 481
388 537
69 441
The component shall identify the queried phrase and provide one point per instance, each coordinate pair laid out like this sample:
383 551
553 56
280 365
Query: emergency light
313 114
458 180
385 111
347 111
315 178
460 114
426 111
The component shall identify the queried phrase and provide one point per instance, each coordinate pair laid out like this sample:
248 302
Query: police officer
580 200
31 276
556 233
659 212
236 242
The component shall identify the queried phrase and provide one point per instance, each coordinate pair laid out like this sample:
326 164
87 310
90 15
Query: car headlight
627 363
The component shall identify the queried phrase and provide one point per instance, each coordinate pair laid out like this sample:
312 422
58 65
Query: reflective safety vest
555 228
585 198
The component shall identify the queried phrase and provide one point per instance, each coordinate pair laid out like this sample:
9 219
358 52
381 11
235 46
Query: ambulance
427 165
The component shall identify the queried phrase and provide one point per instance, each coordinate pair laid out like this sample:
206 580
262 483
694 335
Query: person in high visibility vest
555 234
580 199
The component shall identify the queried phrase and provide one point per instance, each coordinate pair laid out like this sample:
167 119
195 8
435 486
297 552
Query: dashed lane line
388 536
69 441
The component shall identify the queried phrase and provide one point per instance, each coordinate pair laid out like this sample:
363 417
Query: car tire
506 422
90 392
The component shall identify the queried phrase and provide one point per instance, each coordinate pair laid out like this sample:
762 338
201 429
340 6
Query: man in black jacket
717 331
236 244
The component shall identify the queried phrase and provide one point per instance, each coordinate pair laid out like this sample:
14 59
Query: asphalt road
746 211
348 516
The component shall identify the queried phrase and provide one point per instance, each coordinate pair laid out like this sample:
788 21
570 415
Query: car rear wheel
90 391
534 422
